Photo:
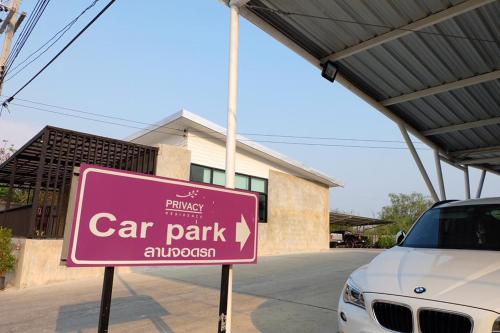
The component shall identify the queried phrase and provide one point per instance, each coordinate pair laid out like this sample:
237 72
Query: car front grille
435 321
394 317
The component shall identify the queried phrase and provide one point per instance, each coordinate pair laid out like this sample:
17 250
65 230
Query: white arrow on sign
242 232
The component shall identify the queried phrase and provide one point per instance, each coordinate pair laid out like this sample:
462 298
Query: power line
60 52
25 28
159 130
25 33
242 133
368 24
54 39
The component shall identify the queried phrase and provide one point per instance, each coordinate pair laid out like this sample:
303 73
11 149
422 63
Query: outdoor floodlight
329 71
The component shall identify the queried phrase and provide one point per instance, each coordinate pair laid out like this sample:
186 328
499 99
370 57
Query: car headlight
353 294
496 326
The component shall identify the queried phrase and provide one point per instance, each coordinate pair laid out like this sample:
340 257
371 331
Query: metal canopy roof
432 66
343 219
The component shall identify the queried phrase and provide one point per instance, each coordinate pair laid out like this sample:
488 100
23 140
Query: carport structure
431 66
349 220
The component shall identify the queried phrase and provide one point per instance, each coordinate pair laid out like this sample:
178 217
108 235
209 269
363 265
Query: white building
294 199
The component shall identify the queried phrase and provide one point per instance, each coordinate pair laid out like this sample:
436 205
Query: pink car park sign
129 219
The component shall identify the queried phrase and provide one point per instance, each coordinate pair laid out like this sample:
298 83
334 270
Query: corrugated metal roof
456 48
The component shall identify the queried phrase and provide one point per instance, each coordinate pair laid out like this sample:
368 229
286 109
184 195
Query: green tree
7 259
404 210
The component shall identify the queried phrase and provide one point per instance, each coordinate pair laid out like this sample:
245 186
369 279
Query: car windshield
460 227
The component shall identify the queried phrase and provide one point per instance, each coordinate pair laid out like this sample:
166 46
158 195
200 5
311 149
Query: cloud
16 133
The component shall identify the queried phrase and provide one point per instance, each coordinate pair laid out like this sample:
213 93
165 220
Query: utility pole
9 27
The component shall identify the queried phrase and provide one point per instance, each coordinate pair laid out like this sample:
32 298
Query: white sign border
152 262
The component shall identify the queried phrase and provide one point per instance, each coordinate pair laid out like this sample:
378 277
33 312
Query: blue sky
144 63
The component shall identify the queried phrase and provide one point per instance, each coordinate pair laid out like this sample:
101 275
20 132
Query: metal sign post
224 295
107 290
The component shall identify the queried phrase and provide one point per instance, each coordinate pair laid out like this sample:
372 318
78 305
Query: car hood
470 278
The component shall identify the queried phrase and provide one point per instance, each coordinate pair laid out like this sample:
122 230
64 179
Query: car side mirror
400 236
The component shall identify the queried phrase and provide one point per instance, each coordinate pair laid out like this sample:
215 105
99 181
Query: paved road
294 293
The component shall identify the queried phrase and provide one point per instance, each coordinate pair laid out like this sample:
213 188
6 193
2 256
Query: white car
444 277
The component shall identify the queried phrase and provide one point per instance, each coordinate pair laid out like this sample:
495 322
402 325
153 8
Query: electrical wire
4 104
242 133
54 39
373 25
21 35
25 33
159 129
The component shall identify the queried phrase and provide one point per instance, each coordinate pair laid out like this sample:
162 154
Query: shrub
386 242
7 259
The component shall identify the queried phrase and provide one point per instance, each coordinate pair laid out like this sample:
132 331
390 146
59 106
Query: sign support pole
226 291
107 290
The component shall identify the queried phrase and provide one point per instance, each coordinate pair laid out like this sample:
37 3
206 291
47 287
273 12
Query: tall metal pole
419 163
226 300
481 184
439 171
467 182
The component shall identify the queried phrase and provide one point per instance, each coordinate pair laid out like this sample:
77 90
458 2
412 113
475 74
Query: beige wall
297 212
173 162
297 216
39 263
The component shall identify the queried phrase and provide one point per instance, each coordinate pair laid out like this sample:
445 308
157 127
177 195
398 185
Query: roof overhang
184 122
431 67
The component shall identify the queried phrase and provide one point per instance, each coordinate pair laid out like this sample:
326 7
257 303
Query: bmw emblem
419 290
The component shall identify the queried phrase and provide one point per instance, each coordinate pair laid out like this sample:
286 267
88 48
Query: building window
203 174
200 174
218 177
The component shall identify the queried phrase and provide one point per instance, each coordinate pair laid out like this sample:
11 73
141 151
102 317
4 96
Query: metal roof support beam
481 183
461 127
238 3
467 182
451 163
408 29
419 163
226 289
495 75
439 171
477 161
466 152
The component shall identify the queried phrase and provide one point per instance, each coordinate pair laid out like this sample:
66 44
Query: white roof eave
244 143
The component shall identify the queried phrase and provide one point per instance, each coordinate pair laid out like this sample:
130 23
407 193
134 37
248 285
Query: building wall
297 216
212 152
173 162
297 208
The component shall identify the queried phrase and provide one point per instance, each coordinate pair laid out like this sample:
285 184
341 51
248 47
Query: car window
461 227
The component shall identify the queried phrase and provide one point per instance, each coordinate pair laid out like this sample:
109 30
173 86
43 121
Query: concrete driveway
294 293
